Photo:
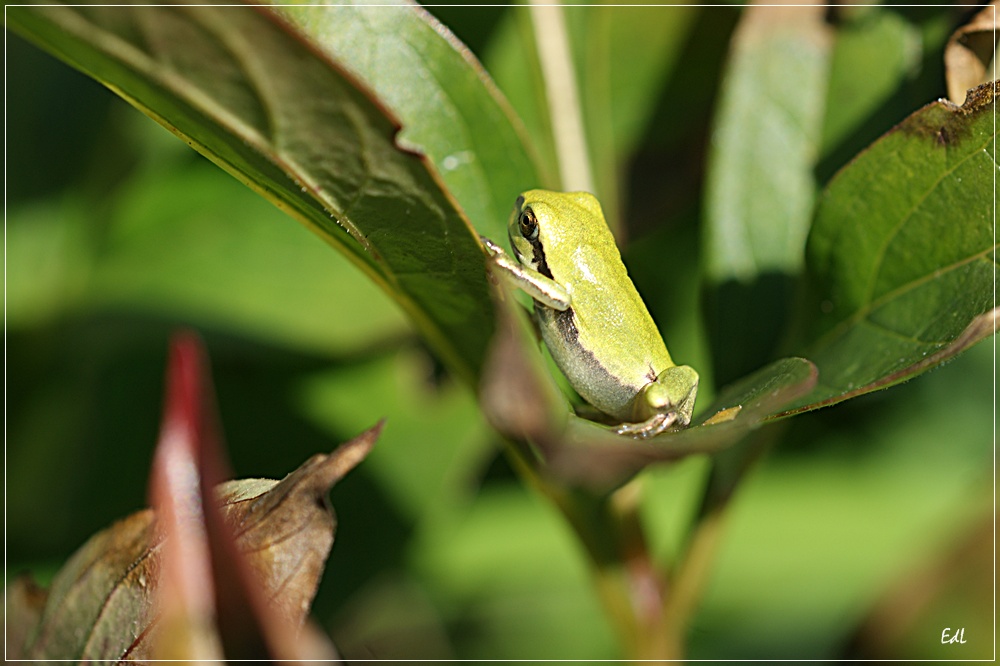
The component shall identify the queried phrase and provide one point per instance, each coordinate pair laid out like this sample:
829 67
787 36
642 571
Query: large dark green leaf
458 119
264 103
902 255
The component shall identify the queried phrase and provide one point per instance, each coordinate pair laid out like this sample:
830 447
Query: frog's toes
651 427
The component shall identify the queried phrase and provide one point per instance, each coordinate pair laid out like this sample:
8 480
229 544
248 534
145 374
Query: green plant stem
689 580
627 580
649 610
695 564
600 532
559 74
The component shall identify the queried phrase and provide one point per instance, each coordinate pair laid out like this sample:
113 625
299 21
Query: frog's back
607 338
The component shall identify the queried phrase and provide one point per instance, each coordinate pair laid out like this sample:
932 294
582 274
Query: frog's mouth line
537 261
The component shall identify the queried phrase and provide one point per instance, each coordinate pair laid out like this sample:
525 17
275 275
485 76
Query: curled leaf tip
346 457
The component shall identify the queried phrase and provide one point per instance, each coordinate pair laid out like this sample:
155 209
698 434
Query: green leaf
449 108
263 103
902 265
623 56
513 61
760 186
640 48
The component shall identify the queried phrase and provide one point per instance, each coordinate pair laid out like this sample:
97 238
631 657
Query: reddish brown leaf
188 458
287 531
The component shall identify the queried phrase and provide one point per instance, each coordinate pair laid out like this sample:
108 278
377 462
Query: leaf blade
902 253
448 107
760 188
256 98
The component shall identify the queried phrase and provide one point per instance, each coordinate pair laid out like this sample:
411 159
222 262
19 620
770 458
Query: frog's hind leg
664 404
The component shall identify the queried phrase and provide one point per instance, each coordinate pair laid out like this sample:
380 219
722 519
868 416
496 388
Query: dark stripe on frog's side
590 372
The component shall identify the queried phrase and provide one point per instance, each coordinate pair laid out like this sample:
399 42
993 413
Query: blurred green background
117 234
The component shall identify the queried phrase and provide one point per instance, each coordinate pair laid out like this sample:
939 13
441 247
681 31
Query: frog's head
550 221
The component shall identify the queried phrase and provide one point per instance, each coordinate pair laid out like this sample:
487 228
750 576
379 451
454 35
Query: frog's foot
651 427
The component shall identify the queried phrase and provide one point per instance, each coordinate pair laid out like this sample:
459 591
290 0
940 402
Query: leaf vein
884 249
865 310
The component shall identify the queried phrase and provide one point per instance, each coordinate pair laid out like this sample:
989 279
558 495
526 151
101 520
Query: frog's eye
528 224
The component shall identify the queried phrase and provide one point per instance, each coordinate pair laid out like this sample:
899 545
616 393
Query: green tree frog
590 315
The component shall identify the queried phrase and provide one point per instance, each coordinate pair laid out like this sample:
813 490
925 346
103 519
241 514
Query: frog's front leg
543 289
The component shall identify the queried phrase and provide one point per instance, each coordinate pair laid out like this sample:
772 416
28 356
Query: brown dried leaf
100 601
100 604
241 561
25 603
286 532
969 52
236 578
266 547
